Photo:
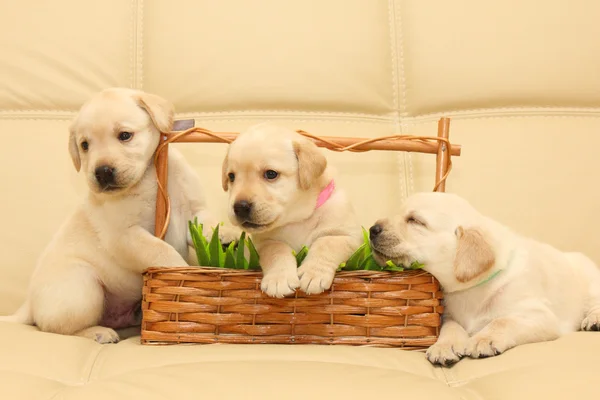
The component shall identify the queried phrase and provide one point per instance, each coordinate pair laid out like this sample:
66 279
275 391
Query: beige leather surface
518 78
468 54
38 365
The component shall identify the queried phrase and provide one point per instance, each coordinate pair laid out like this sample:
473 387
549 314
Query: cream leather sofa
519 78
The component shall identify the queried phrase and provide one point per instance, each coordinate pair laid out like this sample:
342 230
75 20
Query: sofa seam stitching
408 157
342 120
457 112
192 362
401 157
500 109
94 362
287 118
58 392
132 45
393 58
434 118
233 112
36 119
347 121
209 113
400 59
56 115
140 45
403 109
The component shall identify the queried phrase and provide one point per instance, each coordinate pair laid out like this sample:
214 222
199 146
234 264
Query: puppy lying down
282 192
501 289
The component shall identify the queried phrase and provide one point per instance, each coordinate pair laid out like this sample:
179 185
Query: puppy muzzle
105 176
106 180
242 210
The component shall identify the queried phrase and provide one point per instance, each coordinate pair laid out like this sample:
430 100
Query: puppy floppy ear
474 254
224 167
160 110
74 148
311 163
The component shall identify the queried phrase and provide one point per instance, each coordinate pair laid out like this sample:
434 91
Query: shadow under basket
363 308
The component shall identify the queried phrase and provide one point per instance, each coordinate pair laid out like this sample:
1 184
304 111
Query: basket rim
245 272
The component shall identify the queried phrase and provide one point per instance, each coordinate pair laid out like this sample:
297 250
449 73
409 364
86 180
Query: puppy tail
21 316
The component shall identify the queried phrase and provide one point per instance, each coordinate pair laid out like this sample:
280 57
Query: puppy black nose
242 209
375 230
105 175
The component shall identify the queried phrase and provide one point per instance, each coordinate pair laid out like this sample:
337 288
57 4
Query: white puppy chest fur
500 289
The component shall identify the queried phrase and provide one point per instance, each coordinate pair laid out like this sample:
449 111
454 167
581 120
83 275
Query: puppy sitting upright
88 280
283 194
501 289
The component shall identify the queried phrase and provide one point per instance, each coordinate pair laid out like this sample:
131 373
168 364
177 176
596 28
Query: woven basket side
196 305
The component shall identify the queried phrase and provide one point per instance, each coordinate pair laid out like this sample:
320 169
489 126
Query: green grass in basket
213 254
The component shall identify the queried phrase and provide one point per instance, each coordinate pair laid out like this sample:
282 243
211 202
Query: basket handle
442 162
439 145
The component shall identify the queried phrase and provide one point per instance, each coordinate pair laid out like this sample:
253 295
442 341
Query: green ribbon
489 278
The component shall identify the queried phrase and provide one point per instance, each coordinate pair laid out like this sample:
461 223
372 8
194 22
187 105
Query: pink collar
325 194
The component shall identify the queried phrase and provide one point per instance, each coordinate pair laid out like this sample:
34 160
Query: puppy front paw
315 278
229 234
591 322
446 354
487 346
280 282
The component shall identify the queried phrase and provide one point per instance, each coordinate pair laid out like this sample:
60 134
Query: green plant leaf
394 269
230 257
353 263
366 252
217 256
369 264
212 253
253 263
240 257
301 255
366 237
200 243
202 238
416 265
192 228
390 266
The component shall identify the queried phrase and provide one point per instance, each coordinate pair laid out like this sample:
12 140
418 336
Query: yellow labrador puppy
283 193
501 289
88 281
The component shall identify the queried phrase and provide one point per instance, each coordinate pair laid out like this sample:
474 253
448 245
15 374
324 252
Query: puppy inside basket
283 193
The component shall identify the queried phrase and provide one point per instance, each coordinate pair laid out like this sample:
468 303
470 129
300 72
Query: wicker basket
369 308
213 305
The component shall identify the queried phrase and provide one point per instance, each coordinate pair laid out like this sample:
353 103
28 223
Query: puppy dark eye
125 136
85 146
270 174
231 177
412 220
